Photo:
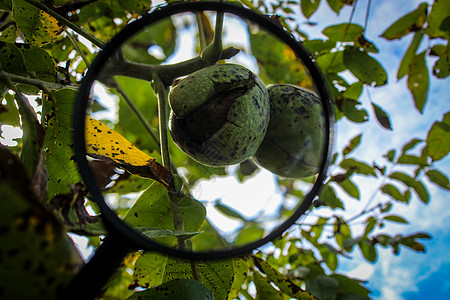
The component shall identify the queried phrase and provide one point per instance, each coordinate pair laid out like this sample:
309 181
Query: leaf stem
138 113
66 22
161 94
76 44
213 51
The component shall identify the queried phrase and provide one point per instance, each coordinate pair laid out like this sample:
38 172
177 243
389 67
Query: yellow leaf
104 143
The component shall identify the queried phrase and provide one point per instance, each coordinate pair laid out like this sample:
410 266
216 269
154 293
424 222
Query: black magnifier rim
136 239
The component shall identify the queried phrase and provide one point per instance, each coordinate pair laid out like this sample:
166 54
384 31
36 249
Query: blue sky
410 275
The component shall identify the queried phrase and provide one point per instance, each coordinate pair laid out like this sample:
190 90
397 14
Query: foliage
41 65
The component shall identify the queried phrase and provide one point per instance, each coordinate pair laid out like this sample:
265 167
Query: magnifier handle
93 276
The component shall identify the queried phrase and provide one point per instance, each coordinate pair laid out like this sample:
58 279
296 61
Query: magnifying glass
224 123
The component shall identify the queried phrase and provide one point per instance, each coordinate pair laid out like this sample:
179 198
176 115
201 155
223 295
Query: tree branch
34 82
166 73
66 22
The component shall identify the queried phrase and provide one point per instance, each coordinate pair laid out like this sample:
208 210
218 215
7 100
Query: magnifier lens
190 205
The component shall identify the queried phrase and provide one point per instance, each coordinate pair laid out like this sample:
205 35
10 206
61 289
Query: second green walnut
294 143
219 114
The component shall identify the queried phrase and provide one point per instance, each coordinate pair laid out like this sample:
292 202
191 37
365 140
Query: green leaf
217 276
38 62
370 225
438 138
368 250
249 234
323 287
418 186
396 219
276 61
241 269
410 241
62 169
33 136
411 144
246 169
152 209
149 269
317 46
409 159
336 5
393 191
175 289
38 258
309 7
353 111
409 54
281 281
11 59
228 211
349 286
359 167
390 155
422 191
438 21
441 68
354 91
9 113
331 62
9 34
6 5
209 239
37 26
264 290
438 178
382 117
367 69
328 196
354 142
345 32
410 22
418 82
350 188
317 229
344 234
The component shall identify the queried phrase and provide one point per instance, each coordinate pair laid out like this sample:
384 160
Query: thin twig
366 20
34 82
201 31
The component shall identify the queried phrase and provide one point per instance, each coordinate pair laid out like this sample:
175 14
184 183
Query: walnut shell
219 114
294 141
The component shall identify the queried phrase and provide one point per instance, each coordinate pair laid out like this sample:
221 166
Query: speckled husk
294 141
219 114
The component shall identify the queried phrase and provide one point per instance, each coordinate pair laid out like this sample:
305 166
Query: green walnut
219 114
294 141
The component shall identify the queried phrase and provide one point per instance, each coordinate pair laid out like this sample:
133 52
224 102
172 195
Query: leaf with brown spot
37 27
410 22
281 281
382 117
104 143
